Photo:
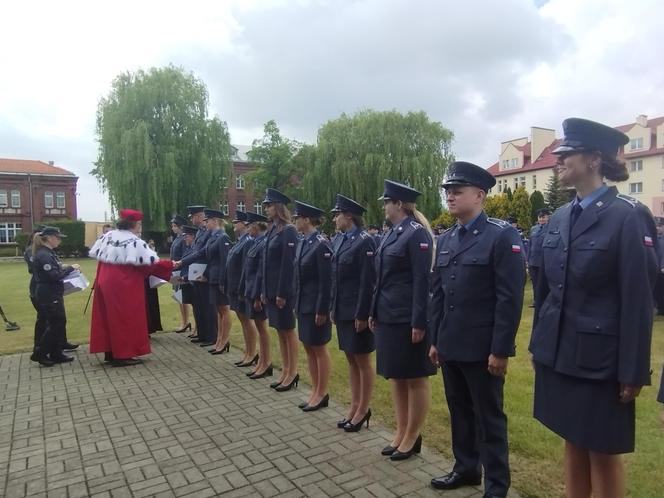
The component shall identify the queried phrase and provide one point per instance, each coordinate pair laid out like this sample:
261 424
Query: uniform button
451 307
451 293
592 243
562 266
565 250
560 286
454 262
597 327
452 277
474 260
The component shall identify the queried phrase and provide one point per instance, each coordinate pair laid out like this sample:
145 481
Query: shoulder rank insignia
415 225
321 238
364 234
629 200
497 222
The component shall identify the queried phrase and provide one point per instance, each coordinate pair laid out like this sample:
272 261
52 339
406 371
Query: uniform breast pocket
551 242
443 260
596 342
476 260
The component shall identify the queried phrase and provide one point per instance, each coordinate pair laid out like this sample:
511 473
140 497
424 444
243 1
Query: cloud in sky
488 70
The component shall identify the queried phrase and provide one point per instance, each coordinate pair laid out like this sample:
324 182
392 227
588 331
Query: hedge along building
33 193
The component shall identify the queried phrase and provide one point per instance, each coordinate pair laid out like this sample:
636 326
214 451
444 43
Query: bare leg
264 360
323 364
283 349
313 371
607 475
355 385
367 378
250 334
183 316
225 320
419 400
577 472
292 351
400 399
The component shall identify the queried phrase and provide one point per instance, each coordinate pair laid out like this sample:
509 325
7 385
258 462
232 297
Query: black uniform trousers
53 336
479 425
40 323
533 271
205 313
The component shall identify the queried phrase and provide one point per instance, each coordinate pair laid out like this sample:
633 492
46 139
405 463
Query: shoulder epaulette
629 200
415 225
321 238
498 223
449 229
364 234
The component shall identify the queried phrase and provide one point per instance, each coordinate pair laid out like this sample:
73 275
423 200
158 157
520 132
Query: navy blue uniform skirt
353 342
217 297
238 305
280 318
396 355
309 333
587 413
251 312
187 293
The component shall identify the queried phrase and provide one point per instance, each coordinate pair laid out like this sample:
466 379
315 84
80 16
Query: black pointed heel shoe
265 373
388 450
303 405
274 385
183 329
287 387
417 448
351 427
249 363
342 423
323 403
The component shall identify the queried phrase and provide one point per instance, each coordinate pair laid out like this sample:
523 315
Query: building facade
33 193
529 162
240 195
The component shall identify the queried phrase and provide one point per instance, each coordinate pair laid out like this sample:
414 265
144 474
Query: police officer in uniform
593 315
216 255
235 265
177 252
188 296
49 274
659 285
399 315
250 288
313 280
535 246
205 314
277 281
353 279
477 296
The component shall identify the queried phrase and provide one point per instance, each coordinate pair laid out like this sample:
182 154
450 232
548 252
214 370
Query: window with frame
534 182
661 208
522 181
239 182
16 199
636 188
506 163
3 199
636 143
48 200
60 200
514 162
258 207
516 182
224 207
636 165
240 206
8 232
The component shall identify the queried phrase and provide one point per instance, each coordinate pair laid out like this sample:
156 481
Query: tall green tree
279 161
354 154
158 149
536 203
521 209
555 194
498 206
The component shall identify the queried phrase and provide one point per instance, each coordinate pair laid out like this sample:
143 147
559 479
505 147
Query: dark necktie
462 232
576 212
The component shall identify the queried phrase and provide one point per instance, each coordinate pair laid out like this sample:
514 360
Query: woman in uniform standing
49 274
177 252
399 315
312 301
250 288
277 284
216 255
353 279
593 313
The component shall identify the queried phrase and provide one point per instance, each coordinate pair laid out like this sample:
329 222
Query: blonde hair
282 215
37 242
411 209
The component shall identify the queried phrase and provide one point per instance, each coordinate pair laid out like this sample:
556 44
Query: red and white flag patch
648 241
424 246
370 253
516 248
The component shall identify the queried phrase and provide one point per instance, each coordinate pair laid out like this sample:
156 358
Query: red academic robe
119 319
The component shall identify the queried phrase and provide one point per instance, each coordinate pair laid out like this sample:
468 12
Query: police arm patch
47 267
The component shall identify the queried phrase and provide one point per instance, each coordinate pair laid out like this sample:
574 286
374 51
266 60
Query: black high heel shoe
417 448
351 427
265 373
323 403
342 423
274 385
287 387
302 405
183 329
248 363
388 450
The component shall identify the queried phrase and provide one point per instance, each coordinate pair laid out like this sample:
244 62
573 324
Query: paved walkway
185 423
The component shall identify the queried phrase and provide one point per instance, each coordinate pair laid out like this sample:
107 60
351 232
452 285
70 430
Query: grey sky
488 70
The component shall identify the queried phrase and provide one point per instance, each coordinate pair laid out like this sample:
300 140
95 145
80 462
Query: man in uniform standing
535 252
478 282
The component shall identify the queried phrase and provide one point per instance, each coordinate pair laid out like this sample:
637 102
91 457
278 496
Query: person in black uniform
49 274
187 288
399 315
250 288
353 279
177 252
216 255
313 265
535 246
593 316
235 265
204 313
477 298
659 284
277 284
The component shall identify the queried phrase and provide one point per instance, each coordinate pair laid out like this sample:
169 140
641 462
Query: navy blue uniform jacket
49 274
477 291
251 284
313 275
235 264
216 253
594 308
278 262
177 248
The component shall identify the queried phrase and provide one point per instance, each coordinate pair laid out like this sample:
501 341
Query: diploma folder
196 271
75 282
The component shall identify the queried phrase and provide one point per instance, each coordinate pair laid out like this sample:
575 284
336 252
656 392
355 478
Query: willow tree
158 149
354 154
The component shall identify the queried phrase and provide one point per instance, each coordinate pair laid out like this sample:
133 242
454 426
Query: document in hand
196 271
177 296
75 282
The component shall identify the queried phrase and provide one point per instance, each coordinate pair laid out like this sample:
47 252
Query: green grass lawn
536 454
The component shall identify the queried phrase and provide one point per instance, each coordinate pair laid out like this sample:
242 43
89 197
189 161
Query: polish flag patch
370 253
424 246
648 241
516 248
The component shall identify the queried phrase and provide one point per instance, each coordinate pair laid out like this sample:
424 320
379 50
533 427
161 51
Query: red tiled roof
652 123
30 166
545 160
655 148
